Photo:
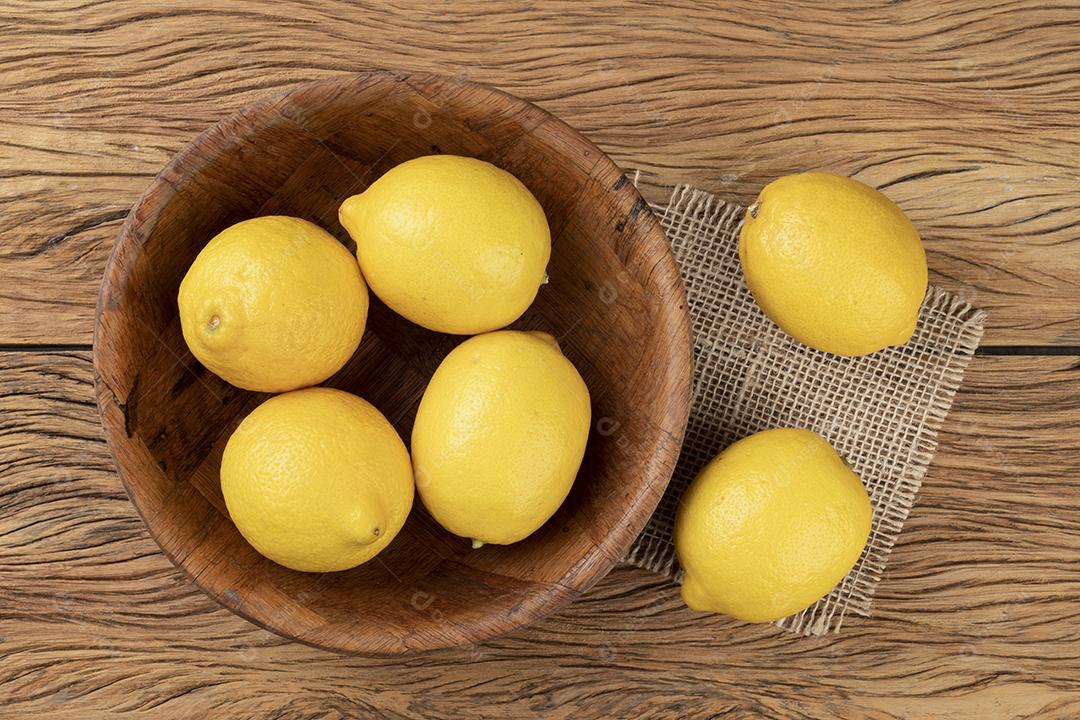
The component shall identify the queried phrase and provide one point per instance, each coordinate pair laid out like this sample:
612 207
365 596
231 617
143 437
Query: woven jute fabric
881 412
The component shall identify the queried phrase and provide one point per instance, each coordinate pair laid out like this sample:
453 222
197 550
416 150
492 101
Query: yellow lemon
499 436
770 526
834 263
272 304
453 244
317 480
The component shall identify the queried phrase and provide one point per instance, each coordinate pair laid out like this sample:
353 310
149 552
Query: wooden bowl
615 302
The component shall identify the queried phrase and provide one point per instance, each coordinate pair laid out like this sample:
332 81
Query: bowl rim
676 383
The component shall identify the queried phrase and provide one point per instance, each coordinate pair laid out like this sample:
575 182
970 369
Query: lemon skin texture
834 263
273 304
454 244
499 436
772 524
317 480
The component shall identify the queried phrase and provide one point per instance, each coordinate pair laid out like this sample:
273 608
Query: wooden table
966 114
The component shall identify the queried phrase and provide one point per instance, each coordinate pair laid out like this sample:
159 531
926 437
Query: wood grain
976 617
964 113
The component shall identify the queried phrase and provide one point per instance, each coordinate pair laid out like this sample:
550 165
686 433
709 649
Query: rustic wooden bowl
615 302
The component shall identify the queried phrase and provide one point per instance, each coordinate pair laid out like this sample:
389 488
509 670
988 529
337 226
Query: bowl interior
614 301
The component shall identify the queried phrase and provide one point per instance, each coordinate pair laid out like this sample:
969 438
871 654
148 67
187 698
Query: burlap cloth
881 412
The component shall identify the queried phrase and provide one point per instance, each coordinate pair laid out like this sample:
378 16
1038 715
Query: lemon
770 526
272 304
834 263
317 480
499 436
451 243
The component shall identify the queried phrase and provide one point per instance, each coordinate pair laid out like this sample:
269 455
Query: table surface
964 113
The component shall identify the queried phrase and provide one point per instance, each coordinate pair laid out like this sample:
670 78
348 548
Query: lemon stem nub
376 532
213 323
477 544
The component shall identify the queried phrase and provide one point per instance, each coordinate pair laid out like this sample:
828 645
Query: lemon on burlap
317 480
770 526
272 304
834 263
499 436
451 243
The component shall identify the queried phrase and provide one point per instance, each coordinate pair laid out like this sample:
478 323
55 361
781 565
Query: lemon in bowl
499 436
317 480
452 243
272 304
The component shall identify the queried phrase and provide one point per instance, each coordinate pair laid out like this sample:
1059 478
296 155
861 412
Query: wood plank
976 617
964 114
